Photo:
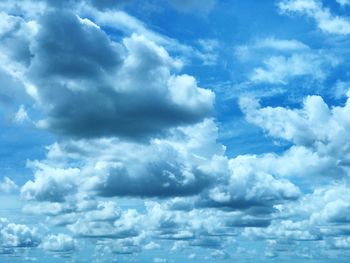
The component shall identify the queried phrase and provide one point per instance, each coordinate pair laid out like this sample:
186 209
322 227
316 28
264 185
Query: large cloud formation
138 165
90 86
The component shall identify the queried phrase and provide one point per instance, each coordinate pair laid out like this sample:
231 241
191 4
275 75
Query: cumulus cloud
136 129
58 243
63 75
316 131
318 219
166 167
306 126
319 149
17 235
128 224
7 185
135 91
188 163
52 184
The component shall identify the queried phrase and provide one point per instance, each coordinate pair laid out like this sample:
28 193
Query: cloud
129 25
343 3
281 44
17 235
188 163
319 149
263 48
339 243
281 69
325 20
136 92
141 166
7 186
305 126
248 187
21 115
128 224
60 68
151 246
219 254
58 243
317 133
99 4
318 219
166 167
53 184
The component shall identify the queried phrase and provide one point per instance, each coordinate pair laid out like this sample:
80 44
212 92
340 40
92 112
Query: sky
165 131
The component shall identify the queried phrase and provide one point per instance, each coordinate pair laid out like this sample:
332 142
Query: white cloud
248 186
53 184
21 115
317 131
285 230
128 224
281 44
113 68
320 150
325 20
131 25
7 185
343 3
339 243
17 235
281 69
201 197
135 74
58 243
301 126
177 165
151 246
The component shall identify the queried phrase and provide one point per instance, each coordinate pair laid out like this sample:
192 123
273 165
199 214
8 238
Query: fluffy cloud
69 69
52 184
188 163
317 131
247 187
138 130
320 149
16 235
7 186
166 167
135 92
58 243
315 125
325 20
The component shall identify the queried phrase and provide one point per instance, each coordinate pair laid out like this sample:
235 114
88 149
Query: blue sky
174 131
